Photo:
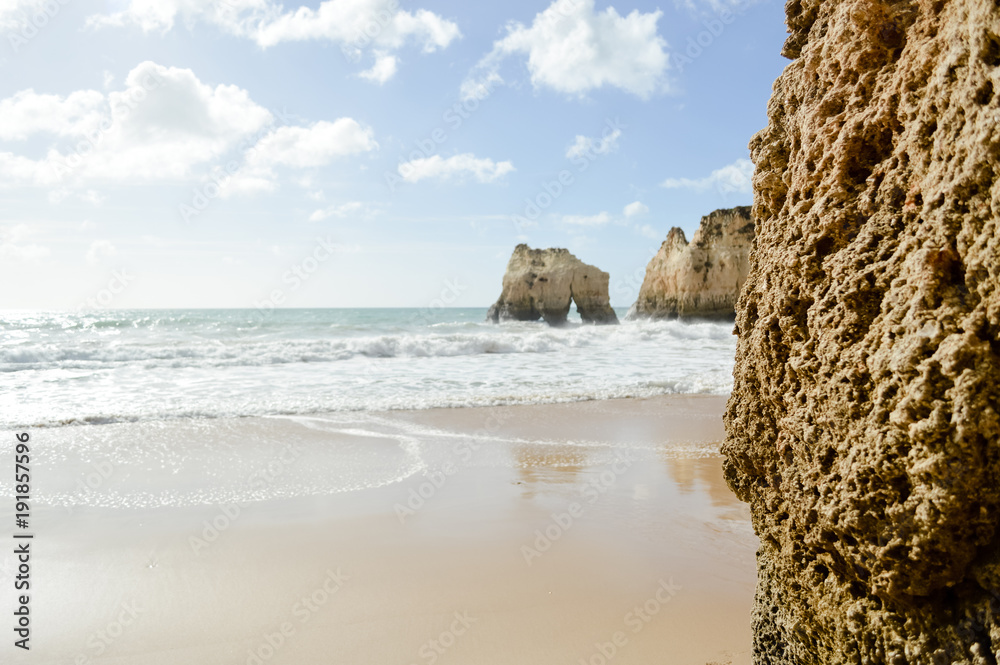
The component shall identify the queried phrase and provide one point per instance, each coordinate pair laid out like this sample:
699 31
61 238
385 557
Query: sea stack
701 279
541 284
863 426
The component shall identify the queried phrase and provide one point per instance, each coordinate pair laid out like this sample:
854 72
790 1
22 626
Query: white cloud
576 223
167 121
16 13
150 15
383 69
484 170
9 8
635 209
346 22
15 169
342 210
99 250
585 146
573 49
297 147
12 249
58 195
358 26
25 253
27 112
735 177
648 231
247 181
164 124
312 146
599 219
703 7
92 196
481 88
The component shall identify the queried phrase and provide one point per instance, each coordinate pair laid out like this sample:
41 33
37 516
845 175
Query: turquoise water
91 367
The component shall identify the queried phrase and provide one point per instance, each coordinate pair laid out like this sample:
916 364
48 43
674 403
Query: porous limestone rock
863 427
541 284
701 279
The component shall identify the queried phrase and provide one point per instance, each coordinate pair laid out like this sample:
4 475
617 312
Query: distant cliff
701 279
542 283
863 425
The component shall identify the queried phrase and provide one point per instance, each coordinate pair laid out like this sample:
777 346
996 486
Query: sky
362 153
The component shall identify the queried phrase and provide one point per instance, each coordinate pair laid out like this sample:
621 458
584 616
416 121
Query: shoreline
94 421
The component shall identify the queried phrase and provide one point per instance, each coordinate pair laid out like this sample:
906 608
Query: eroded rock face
701 279
542 283
863 425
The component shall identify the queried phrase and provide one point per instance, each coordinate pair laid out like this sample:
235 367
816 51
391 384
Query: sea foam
124 366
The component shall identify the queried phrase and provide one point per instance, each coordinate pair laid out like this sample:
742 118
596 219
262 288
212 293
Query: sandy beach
587 532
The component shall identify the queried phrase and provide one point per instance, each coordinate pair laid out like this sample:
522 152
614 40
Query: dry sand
593 532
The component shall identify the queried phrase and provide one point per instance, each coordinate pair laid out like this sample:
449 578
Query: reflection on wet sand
701 474
537 466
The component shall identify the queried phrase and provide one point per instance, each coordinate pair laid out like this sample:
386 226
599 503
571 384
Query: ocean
114 366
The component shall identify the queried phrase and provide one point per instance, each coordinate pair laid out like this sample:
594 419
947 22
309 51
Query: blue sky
362 153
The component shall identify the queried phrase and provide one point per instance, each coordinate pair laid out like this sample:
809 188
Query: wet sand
591 532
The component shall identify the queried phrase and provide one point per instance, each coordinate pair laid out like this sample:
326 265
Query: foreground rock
701 279
541 284
863 424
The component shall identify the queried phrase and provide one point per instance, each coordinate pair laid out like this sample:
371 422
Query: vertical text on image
22 548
